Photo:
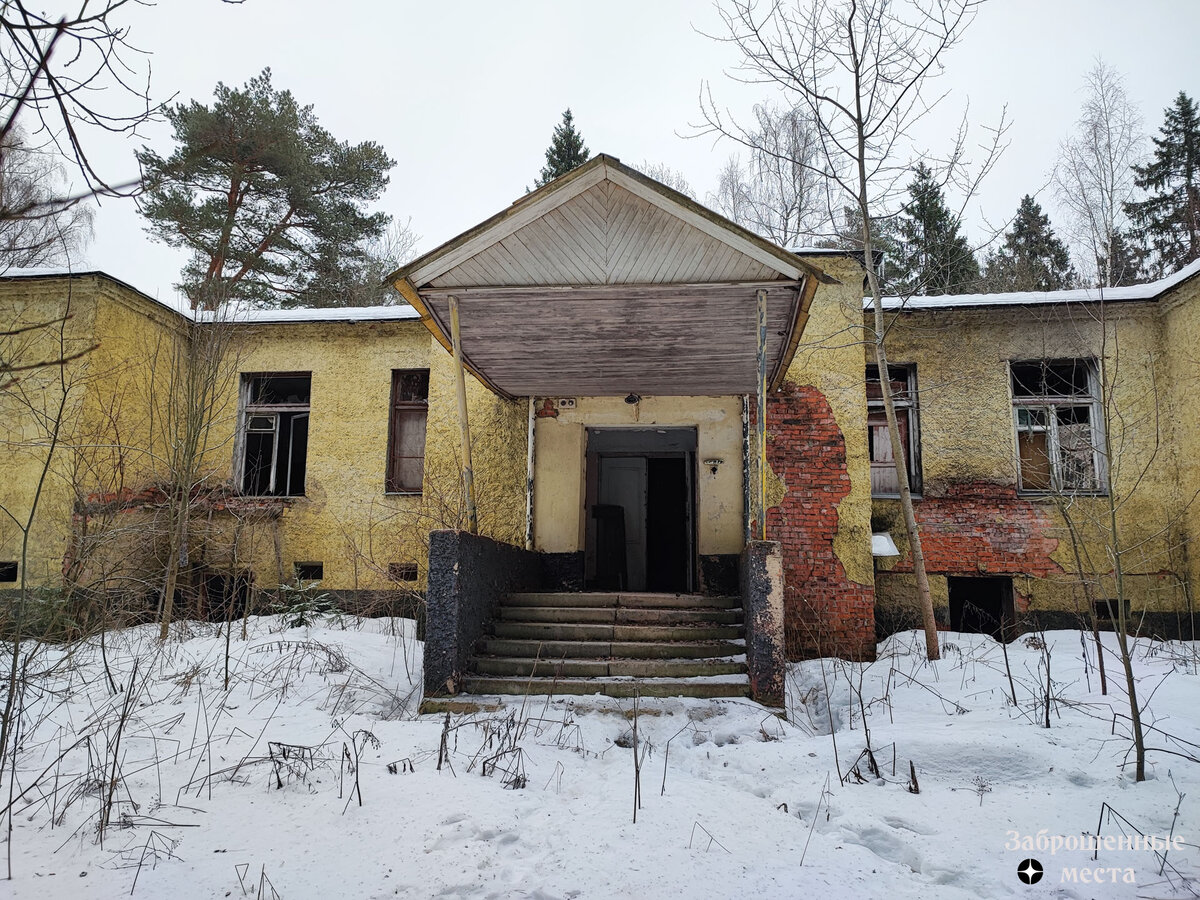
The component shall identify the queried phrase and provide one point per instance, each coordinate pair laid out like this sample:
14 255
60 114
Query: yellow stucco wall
345 520
113 438
499 439
1180 370
560 478
30 424
117 439
829 358
968 440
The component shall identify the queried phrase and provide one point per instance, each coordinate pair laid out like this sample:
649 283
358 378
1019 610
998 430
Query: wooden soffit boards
613 340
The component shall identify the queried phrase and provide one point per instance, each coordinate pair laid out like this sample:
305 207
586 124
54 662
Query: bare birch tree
36 229
780 191
859 69
68 75
664 174
1094 178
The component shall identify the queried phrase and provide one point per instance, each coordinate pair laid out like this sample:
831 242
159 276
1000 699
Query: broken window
879 442
1055 407
406 433
8 571
275 409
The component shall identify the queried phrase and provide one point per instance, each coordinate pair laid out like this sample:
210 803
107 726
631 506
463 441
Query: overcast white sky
464 95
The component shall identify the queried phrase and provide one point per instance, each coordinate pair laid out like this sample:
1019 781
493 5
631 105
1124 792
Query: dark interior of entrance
982 605
640 529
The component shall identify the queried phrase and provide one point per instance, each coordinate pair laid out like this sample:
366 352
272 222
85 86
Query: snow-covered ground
251 791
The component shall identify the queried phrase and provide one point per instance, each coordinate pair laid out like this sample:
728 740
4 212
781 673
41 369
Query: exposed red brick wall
981 528
825 613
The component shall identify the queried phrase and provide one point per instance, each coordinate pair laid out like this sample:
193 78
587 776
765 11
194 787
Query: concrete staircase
617 644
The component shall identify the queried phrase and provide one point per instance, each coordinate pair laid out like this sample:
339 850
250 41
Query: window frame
907 404
396 407
247 411
1051 403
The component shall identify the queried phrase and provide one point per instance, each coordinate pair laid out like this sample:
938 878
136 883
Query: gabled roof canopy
605 282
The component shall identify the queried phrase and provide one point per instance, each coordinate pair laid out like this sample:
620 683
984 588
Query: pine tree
566 150
1169 219
933 256
1032 257
270 204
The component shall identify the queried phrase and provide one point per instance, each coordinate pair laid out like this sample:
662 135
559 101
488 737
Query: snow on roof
38 272
1149 291
242 315
398 312
176 305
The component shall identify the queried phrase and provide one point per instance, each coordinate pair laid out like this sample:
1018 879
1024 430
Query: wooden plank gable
605 235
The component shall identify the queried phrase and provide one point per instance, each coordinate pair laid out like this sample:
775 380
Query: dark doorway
640 502
667 544
982 605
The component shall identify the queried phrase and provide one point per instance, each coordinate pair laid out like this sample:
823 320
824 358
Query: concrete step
606 649
722 686
554 631
621 615
512 667
640 600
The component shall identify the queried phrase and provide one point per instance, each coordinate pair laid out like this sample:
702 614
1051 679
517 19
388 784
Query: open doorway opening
982 605
641 503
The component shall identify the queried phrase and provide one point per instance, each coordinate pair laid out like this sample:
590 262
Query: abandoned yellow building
636 528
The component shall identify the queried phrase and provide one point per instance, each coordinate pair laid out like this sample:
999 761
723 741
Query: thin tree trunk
1089 595
1135 714
924 598
168 600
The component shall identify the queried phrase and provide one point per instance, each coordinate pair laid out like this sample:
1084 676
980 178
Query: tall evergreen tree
269 202
933 256
1123 262
566 150
1169 219
885 246
1032 257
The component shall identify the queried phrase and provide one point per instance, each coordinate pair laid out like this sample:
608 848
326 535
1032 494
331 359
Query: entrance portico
626 317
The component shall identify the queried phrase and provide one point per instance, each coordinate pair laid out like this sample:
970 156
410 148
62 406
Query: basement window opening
406 431
982 605
903 379
1107 611
1056 415
8 572
406 571
309 571
275 414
